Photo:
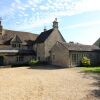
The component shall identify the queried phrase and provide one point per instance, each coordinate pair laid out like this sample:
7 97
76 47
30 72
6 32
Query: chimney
1 27
45 29
55 23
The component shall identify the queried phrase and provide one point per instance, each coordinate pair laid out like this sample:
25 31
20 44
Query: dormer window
16 42
16 45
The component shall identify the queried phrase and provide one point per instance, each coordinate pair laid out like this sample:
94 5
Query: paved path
39 84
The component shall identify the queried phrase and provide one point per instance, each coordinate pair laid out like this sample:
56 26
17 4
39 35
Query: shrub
85 61
33 62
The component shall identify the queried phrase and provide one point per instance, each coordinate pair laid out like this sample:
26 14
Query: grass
91 69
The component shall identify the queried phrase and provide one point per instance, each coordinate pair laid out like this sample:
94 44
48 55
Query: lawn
91 69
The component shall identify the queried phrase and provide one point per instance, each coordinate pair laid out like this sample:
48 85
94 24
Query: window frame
20 58
16 45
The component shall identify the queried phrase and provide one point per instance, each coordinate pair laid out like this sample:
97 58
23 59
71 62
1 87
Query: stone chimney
1 27
45 29
55 23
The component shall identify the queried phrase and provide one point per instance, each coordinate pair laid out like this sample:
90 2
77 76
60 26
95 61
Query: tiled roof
97 42
43 36
79 47
25 37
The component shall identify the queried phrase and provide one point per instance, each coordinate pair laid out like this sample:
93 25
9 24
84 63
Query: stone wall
9 60
60 56
41 51
51 41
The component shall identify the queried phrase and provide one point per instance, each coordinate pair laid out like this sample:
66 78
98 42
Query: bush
33 62
85 61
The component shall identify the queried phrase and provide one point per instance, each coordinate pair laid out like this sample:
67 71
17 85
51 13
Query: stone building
16 47
46 40
51 47
20 47
70 54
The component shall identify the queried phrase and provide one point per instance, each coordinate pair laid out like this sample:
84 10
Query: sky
79 20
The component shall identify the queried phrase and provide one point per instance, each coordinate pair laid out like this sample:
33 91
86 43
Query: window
20 58
75 59
16 45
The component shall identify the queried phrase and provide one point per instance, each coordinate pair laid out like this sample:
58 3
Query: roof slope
97 43
25 37
43 36
79 47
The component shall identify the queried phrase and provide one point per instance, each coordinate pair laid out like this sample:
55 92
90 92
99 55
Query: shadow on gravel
96 85
46 67
96 92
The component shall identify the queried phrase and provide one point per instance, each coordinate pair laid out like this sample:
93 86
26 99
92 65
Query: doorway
1 60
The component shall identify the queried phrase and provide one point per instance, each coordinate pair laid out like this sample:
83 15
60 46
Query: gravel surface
24 83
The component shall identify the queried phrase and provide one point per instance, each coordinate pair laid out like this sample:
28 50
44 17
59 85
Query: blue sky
79 20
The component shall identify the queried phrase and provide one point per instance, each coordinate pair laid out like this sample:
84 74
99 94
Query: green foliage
33 62
91 69
85 61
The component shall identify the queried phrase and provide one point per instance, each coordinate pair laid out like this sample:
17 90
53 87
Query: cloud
30 24
85 6
41 11
44 7
86 24
18 1
67 7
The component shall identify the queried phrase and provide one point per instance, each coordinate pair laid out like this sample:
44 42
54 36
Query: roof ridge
79 47
19 31
47 30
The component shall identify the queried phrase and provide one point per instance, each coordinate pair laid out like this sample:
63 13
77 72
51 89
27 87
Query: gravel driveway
24 83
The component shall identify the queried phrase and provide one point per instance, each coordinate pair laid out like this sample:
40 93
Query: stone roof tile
79 47
25 37
43 36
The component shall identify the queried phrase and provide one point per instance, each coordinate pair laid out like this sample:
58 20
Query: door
1 60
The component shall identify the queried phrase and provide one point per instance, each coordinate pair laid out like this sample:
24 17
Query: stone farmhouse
20 47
